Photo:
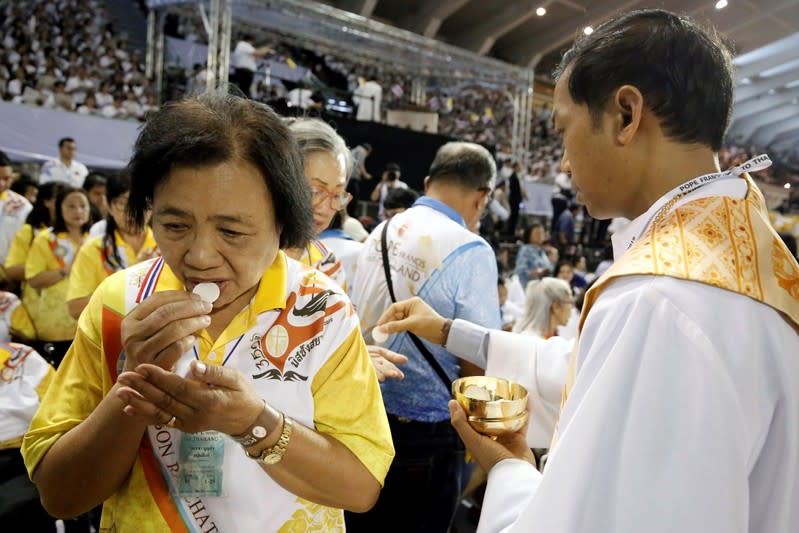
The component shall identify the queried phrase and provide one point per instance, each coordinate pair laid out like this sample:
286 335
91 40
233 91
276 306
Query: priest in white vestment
681 408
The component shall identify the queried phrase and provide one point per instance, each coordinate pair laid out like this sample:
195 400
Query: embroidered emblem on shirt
276 341
318 302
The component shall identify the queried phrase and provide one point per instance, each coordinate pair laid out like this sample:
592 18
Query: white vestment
721 455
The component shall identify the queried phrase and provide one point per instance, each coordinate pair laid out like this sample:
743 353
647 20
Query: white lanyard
755 164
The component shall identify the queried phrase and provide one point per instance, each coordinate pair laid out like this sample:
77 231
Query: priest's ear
627 108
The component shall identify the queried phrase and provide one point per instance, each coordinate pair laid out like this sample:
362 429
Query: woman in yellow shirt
293 428
48 266
42 216
120 247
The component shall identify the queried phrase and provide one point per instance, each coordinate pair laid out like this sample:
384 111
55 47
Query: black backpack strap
431 360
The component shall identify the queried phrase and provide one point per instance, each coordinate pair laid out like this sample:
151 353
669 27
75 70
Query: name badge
202 456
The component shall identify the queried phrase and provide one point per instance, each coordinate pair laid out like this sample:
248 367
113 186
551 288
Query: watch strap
273 454
254 434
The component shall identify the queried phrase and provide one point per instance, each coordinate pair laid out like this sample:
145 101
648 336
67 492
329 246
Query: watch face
259 432
272 458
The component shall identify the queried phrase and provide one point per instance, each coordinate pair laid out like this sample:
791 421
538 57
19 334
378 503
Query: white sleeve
512 484
538 365
45 172
650 438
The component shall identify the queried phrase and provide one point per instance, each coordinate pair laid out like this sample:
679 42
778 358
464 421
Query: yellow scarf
721 241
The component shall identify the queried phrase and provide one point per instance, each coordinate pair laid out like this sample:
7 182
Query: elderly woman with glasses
222 386
326 162
327 166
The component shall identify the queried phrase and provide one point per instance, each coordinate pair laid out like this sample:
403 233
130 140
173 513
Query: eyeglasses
338 200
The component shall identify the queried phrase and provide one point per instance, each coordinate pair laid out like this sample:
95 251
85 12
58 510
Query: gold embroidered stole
721 241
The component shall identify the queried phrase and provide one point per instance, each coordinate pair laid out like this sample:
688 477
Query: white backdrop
539 199
30 133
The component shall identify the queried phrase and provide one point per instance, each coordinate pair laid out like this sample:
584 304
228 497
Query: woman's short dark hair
60 225
529 231
683 71
117 185
400 199
40 216
23 183
212 129
94 179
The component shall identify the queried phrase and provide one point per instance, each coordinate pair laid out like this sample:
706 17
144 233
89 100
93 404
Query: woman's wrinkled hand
209 398
385 363
161 328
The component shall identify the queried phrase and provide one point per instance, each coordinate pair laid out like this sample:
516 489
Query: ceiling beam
747 126
790 137
763 85
759 15
768 133
364 8
481 37
784 51
431 16
561 34
763 102
574 5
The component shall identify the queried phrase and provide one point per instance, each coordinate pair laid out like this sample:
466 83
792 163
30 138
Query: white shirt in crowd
97 229
300 98
385 187
103 99
244 56
56 170
367 97
14 209
78 88
353 227
112 111
688 421
346 251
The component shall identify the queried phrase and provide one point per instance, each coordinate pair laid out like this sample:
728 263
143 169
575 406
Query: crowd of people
209 340
65 55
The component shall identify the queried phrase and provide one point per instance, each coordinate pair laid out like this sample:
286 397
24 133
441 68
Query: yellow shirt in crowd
21 322
21 245
92 266
49 313
299 342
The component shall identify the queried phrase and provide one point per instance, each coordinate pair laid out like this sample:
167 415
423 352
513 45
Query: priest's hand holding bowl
490 415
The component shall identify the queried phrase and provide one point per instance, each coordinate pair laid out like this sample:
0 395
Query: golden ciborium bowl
494 406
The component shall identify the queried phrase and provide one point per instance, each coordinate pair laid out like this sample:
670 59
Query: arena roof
763 34
501 39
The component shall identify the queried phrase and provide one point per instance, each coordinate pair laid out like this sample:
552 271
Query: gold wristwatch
273 454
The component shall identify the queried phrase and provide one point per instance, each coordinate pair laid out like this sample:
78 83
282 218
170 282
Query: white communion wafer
476 392
209 292
379 335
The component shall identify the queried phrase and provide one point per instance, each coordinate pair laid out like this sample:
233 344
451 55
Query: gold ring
171 422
